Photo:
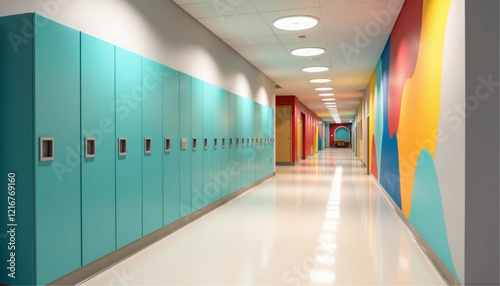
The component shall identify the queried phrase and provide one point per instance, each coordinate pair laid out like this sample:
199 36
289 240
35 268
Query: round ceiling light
327 94
295 23
320 80
308 52
323 88
315 69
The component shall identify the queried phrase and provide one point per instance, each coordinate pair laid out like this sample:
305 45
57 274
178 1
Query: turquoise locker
252 154
57 183
98 173
258 148
16 102
171 159
208 151
152 146
239 148
245 148
271 125
217 155
185 154
232 149
129 166
224 178
197 154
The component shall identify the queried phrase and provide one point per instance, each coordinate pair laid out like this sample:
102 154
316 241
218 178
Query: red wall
335 126
311 119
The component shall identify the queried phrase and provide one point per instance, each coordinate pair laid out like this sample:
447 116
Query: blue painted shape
379 112
57 186
427 209
129 167
342 134
152 163
98 174
389 167
16 103
208 126
197 155
185 155
171 159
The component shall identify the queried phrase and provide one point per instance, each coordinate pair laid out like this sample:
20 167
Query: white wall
159 30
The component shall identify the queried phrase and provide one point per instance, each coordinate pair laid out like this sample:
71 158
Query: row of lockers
93 169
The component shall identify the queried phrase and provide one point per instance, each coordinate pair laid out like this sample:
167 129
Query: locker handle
167 144
205 143
194 143
46 148
122 146
90 147
215 143
231 142
147 145
223 143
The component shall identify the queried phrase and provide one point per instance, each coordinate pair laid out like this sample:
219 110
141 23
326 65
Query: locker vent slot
122 146
90 147
46 148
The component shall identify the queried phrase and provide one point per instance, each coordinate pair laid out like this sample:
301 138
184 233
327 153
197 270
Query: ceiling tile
219 9
278 5
249 25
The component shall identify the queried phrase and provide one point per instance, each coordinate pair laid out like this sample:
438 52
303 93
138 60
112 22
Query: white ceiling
353 32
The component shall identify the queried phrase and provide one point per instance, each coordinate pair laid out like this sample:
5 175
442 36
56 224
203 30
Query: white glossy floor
323 222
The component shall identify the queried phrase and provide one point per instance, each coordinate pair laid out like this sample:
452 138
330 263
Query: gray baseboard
445 273
88 271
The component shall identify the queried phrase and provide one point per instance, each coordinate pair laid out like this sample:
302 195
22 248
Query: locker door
57 184
232 149
208 134
224 177
171 159
217 119
239 136
197 155
128 167
245 147
185 154
98 173
152 146
16 120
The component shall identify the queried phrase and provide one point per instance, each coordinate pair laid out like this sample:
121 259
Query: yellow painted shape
420 104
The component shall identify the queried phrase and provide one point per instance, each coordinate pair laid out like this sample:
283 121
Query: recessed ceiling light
327 94
328 99
295 23
320 80
315 69
323 88
308 52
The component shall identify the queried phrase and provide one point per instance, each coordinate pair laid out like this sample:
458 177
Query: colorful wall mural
410 107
